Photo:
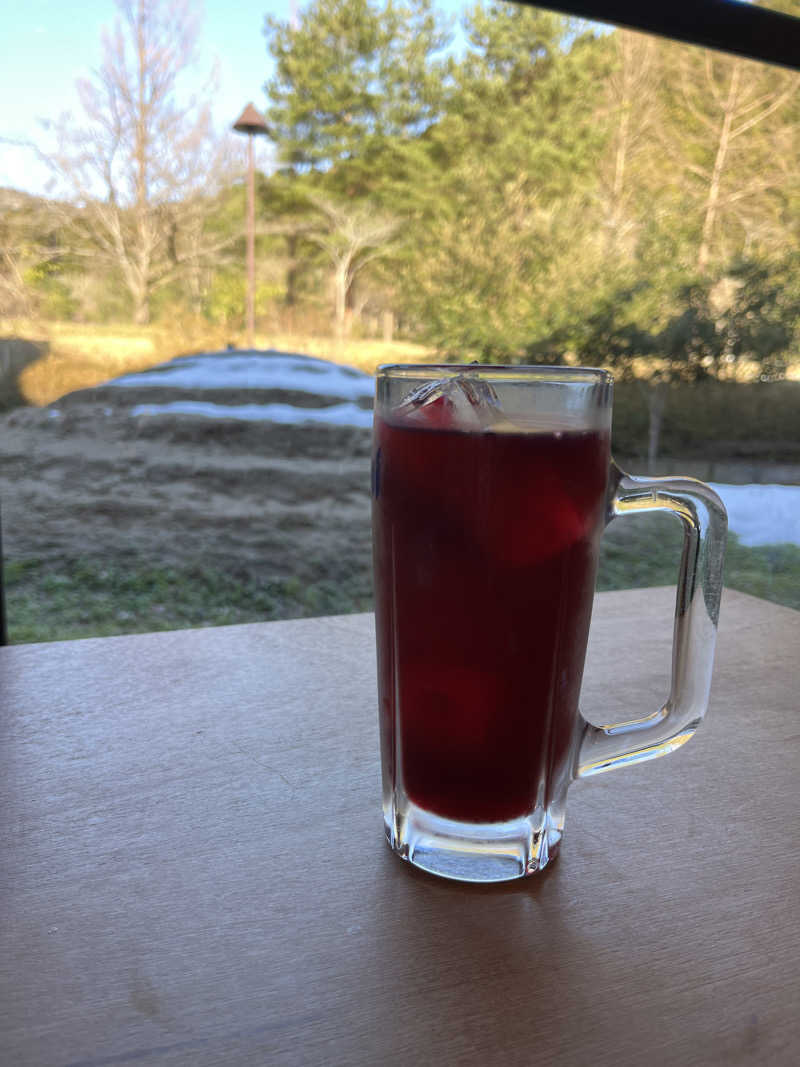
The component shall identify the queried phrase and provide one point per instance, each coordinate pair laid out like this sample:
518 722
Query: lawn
86 598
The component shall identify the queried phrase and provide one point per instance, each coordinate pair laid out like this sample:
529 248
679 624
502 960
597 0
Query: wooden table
194 872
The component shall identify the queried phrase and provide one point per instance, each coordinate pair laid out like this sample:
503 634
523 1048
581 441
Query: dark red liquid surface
485 560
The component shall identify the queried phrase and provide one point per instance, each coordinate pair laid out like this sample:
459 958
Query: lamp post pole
251 123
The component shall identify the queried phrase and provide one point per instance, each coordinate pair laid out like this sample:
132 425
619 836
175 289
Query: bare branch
141 165
356 234
778 102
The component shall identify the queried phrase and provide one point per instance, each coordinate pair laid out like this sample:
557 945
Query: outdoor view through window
432 182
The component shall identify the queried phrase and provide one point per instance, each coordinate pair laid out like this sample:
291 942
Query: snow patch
255 370
286 414
762 514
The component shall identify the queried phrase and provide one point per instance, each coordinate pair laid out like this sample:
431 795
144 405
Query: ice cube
464 402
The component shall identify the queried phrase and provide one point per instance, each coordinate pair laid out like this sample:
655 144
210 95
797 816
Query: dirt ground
84 478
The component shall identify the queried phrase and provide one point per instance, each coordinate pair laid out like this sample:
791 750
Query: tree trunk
195 290
712 200
291 270
141 305
340 298
632 90
618 184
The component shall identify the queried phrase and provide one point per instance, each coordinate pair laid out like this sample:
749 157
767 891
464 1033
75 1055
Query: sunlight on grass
81 356
366 355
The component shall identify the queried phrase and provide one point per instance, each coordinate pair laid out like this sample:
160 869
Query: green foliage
54 297
762 321
354 82
524 99
515 152
690 332
35 266
677 332
226 297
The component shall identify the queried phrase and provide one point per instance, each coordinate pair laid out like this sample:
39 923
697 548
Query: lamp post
251 123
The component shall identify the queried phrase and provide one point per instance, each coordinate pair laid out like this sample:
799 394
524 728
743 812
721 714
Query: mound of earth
116 473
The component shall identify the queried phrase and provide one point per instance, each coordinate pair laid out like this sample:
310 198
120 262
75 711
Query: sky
47 45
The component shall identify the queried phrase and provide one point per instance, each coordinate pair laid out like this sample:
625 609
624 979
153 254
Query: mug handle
705 524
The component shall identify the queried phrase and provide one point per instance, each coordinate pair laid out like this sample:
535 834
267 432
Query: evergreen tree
515 155
356 84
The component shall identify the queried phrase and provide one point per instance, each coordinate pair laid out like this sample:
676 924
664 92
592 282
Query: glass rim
507 371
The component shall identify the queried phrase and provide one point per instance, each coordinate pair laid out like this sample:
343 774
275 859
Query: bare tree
142 167
15 295
356 234
29 246
631 101
724 104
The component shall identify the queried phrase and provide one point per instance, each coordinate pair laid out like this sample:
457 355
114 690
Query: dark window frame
725 25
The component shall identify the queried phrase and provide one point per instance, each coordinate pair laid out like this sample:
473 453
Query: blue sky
48 44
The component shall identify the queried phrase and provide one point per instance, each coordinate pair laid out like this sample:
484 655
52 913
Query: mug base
476 852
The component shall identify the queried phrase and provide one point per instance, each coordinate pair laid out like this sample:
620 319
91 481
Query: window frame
744 29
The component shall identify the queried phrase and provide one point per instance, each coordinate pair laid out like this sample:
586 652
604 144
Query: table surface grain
193 868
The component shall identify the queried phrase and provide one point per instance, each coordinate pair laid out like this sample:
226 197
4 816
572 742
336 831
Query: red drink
485 559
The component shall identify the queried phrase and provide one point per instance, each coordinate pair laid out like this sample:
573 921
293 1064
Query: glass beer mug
491 488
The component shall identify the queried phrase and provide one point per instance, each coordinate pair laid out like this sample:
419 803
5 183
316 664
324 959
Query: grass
638 552
771 572
87 598
83 355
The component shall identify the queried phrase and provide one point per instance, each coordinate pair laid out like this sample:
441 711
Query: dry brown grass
365 355
81 356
